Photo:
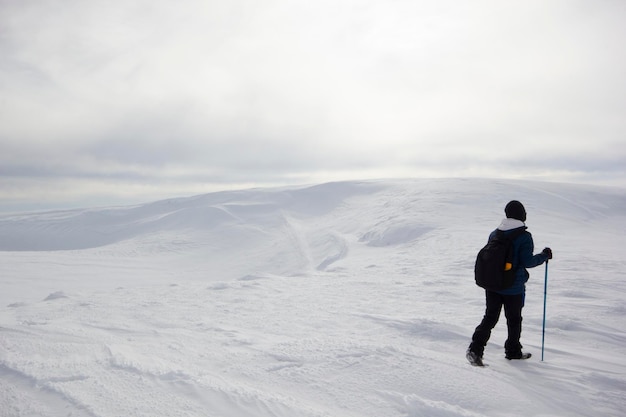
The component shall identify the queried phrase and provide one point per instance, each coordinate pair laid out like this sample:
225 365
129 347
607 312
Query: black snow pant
512 310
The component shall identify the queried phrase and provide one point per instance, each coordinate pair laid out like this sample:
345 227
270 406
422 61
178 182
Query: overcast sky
105 102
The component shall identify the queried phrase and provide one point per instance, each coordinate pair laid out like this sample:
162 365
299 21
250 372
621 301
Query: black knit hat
515 210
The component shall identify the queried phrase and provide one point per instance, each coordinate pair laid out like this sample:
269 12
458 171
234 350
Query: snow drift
343 299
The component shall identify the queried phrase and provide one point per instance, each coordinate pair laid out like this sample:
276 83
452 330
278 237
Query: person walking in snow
512 298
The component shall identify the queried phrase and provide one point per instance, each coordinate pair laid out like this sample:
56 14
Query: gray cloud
195 94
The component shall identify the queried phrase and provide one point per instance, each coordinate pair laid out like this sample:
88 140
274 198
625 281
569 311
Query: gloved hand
547 252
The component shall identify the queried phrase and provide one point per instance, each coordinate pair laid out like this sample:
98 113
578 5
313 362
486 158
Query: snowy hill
340 300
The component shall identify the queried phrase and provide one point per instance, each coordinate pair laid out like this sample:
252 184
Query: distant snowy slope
90 228
348 299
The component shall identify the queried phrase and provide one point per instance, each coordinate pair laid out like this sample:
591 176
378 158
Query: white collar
510 224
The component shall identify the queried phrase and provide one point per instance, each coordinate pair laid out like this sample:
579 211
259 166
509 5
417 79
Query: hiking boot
518 355
474 358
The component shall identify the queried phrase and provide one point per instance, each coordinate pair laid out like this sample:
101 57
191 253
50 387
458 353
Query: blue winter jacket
523 248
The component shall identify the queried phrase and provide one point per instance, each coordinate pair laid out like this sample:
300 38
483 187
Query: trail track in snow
349 299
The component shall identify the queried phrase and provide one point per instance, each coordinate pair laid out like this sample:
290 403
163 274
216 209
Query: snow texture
351 299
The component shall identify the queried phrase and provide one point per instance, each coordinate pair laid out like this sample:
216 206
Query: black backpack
494 264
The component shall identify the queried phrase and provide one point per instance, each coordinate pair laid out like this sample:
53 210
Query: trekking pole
545 296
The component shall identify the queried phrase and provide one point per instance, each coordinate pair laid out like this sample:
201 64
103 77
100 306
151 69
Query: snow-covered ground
350 299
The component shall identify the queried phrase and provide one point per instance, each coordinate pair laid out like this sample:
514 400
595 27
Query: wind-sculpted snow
338 300
395 235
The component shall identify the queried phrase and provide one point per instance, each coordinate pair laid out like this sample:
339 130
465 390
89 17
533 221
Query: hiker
511 298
